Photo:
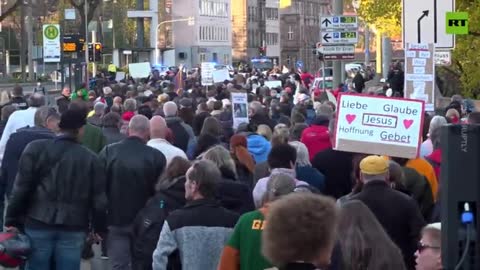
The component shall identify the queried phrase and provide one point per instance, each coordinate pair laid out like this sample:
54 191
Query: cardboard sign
119 76
273 84
420 73
207 73
221 75
239 108
139 70
379 125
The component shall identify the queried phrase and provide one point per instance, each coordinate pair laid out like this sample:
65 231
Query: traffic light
95 52
262 51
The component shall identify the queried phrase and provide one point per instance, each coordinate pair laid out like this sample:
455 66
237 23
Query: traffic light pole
94 65
86 44
337 65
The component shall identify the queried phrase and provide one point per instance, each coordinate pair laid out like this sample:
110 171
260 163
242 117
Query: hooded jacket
258 147
232 194
316 137
182 132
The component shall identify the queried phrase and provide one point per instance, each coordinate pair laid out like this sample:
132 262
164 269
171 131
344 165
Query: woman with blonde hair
265 131
364 242
232 194
281 134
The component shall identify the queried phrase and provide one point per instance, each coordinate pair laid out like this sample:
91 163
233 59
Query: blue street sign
335 19
299 64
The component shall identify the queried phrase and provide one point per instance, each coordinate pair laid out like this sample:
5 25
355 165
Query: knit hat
72 119
374 165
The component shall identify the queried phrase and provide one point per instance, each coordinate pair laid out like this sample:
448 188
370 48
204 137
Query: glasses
421 247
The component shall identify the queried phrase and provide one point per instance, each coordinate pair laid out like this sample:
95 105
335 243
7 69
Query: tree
383 15
79 5
13 7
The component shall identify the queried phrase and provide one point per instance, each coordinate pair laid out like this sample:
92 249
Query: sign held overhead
420 73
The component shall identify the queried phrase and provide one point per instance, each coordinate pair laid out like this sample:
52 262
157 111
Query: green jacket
93 138
80 93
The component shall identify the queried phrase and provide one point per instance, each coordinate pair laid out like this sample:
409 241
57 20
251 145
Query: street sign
338 22
425 22
420 73
51 43
299 64
339 37
349 56
73 43
443 58
337 49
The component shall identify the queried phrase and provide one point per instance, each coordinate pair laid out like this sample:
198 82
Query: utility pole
338 73
86 44
94 65
367 45
29 24
140 26
22 40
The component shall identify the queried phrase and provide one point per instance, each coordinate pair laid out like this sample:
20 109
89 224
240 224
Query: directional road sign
339 37
424 22
299 64
338 22
337 49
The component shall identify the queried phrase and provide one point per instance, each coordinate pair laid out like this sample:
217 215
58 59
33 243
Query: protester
296 132
473 118
397 177
111 123
158 134
18 99
336 166
429 250
72 196
402 225
299 231
6 112
363 241
92 136
452 116
265 131
232 194
212 127
20 119
99 111
427 148
132 171
358 82
184 136
281 160
316 137
148 224
64 100
39 88
258 115
244 163
435 158
243 249
304 170
130 107
200 230
200 116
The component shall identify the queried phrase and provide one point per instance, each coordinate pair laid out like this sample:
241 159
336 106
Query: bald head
158 127
139 126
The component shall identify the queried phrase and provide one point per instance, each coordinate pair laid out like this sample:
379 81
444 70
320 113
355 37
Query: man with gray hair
133 169
184 136
258 115
46 125
199 230
99 110
20 119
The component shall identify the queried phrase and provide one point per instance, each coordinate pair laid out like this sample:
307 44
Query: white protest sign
221 75
139 70
239 108
207 73
420 68
119 76
273 84
379 125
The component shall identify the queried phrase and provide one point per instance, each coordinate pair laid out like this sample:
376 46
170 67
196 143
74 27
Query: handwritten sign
139 70
419 73
221 75
240 108
378 125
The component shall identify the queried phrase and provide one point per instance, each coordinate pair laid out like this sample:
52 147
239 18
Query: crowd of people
160 178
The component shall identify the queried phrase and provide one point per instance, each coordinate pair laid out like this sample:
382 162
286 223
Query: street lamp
190 21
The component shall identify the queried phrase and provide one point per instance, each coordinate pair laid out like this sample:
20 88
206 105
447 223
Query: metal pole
367 45
337 65
387 55
86 43
94 65
323 74
29 24
62 54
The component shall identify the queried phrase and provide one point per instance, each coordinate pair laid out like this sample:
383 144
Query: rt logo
457 23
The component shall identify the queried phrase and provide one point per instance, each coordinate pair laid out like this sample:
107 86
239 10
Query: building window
272 39
226 59
290 33
215 57
202 57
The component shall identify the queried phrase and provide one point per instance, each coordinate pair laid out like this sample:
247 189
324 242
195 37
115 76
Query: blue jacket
258 147
312 176
17 142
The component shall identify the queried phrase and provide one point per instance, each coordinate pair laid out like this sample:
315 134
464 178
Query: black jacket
19 102
398 214
261 119
14 149
226 121
336 166
62 103
198 122
132 171
234 195
180 132
59 183
112 135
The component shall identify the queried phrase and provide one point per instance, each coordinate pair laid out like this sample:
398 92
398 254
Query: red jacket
316 138
435 158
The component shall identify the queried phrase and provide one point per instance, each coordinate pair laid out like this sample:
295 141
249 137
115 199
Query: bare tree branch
10 10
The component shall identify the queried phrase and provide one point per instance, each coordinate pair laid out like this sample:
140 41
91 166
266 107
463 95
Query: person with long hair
244 163
364 243
149 221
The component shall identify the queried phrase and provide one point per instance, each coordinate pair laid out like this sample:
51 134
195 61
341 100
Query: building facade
255 30
209 39
300 31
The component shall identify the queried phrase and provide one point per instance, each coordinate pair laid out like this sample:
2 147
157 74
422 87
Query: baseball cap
374 165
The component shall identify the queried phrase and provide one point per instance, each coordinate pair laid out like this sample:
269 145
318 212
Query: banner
221 75
239 108
139 70
51 43
207 73
378 125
